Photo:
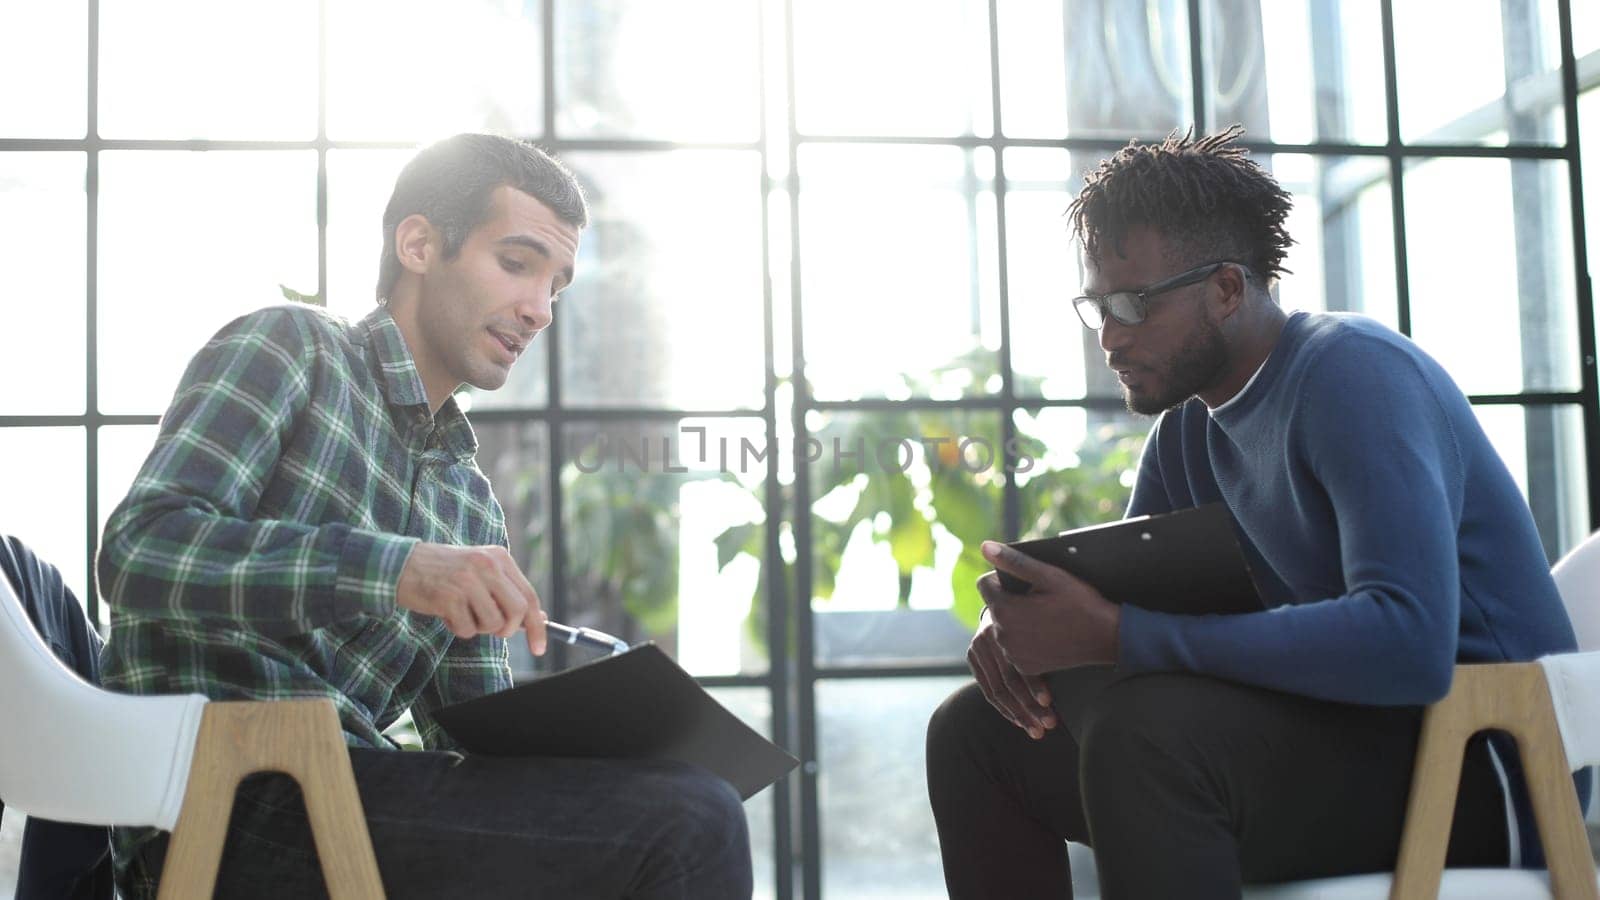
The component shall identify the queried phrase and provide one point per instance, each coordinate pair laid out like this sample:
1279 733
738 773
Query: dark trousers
1185 786
444 825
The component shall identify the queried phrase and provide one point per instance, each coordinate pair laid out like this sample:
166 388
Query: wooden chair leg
195 850
1510 697
1430 808
300 738
1555 804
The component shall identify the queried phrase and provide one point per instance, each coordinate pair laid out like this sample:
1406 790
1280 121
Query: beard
1195 366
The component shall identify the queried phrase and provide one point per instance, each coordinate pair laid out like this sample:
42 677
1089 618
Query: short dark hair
1203 194
450 183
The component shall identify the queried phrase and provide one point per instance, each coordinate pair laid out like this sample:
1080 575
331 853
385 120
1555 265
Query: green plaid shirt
257 553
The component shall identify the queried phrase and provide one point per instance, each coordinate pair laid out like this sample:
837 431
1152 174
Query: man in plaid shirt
311 523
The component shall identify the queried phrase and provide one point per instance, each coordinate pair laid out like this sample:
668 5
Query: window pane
188 242
43 231
898 272
515 456
359 184
1088 69
47 52
1496 80
1079 468
1269 73
1033 84
1543 448
178 69
638 68
1343 226
666 308
900 503
1052 354
858 71
44 498
482 68
878 838
645 517
753 706
1492 297
1585 27
123 449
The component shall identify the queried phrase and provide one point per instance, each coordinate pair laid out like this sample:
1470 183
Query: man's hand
1063 622
475 590
1023 699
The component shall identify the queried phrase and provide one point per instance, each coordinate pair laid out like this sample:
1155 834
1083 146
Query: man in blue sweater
1387 538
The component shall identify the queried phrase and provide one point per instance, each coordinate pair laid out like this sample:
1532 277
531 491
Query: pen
587 637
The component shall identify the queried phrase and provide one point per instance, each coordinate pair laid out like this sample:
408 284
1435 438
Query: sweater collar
1259 385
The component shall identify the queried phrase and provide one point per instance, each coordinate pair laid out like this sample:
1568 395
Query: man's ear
1232 289
415 243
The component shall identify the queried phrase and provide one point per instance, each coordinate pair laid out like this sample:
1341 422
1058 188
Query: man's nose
1114 335
535 311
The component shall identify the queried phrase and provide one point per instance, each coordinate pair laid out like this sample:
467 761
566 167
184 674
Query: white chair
1578 576
73 752
1552 709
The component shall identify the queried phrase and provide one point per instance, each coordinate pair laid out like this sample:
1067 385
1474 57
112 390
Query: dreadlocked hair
1204 195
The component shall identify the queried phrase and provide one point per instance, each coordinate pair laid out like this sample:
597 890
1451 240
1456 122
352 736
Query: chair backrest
72 752
1577 577
1574 680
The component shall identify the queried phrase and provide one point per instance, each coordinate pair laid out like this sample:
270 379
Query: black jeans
1185 786
444 825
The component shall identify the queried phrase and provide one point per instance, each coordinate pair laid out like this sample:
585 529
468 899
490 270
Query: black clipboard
1187 562
635 705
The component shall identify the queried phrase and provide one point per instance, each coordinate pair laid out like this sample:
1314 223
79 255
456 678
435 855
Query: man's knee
949 721
710 821
961 719
1141 727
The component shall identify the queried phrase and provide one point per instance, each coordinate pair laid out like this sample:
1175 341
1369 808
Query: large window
820 344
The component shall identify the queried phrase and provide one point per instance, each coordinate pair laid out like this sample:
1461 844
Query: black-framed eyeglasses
1130 307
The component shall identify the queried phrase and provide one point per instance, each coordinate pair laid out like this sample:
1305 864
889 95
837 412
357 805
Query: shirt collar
1234 400
402 387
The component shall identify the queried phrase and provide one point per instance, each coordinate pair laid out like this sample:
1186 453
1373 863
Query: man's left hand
1063 622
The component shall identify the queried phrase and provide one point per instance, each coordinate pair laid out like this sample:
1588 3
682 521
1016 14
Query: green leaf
828 541
966 509
911 542
737 540
963 581
822 581
294 296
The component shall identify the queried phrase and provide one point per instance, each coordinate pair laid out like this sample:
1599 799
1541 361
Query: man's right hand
475 590
1023 699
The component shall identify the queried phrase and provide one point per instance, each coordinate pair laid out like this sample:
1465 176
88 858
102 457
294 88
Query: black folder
635 705
1187 562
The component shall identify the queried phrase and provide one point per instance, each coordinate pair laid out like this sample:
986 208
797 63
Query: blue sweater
1383 530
